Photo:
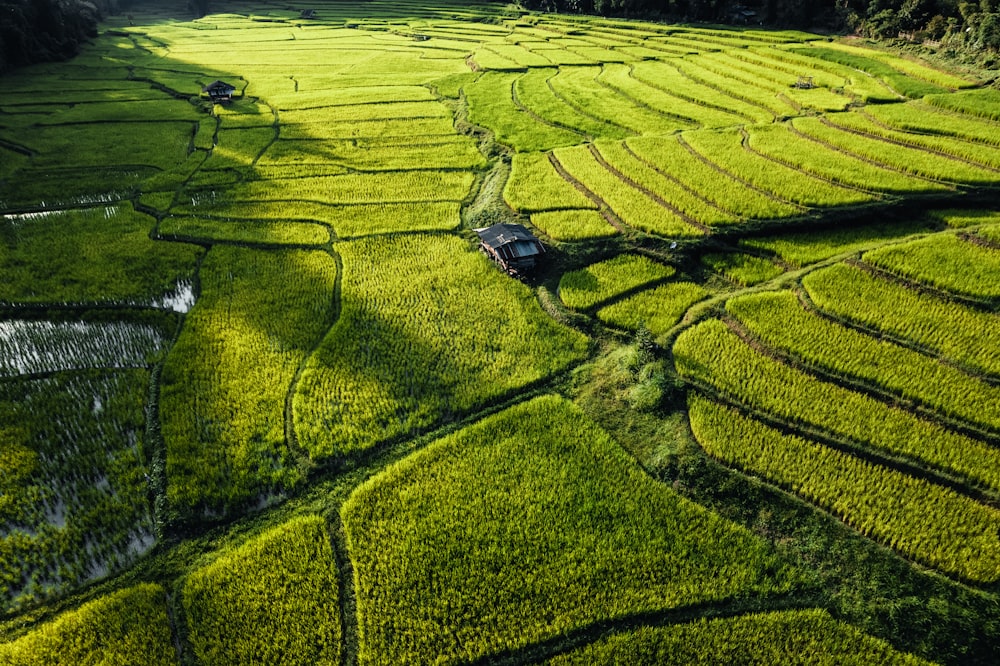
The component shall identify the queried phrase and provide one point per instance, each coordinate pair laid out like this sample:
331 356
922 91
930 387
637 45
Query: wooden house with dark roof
219 91
511 245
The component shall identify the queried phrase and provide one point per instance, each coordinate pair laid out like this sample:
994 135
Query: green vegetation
743 269
92 255
522 527
802 249
780 322
251 355
715 357
591 286
424 334
129 626
925 521
944 261
788 637
966 335
572 225
224 383
271 600
73 492
535 185
656 309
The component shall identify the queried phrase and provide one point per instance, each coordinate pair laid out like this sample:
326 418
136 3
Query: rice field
262 398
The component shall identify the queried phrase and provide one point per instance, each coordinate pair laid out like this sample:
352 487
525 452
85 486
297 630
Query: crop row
129 626
376 155
588 287
629 203
984 103
897 80
895 156
966 335
743 269
426 331
225 380
574 224
966 154
29 347
460 553
944 261
244 231
656 309
714 356
808 247
724 149
94 255
925 521
270 600
778 637
535 185
74 501
781 143
780 322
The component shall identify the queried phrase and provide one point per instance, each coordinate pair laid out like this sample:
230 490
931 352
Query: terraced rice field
262 400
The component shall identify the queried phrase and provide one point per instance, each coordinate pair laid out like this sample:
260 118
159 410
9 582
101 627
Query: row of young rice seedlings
620 78
588 287
724 149
766 104
656 310
31 347
491 105
781 84
271 599
395 187
925 119
580 88
772 637
814 156
670 156
898 157
428 330
128 626
966 151
625 162
779 321
743 269
226 378
506 491
968 336
75 487
944 261
713 356
630 204
907 66
534 92
121 264
802 248
983 103
930 523
450 153
896 81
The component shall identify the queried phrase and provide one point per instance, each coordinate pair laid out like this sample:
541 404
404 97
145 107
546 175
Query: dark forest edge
33 31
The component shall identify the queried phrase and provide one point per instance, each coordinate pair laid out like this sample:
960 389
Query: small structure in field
308 14
805 82
219 91
511 245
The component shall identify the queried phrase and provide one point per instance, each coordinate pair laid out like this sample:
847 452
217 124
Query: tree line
968 25
42 30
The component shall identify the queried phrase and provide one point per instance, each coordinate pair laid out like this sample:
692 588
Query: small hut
309 14
511 245
219 91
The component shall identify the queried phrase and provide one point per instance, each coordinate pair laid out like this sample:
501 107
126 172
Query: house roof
512 241
218 85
